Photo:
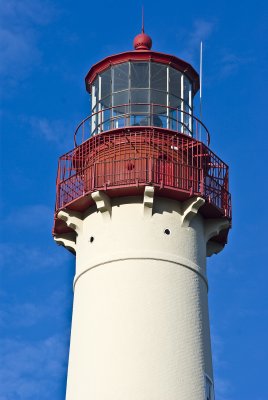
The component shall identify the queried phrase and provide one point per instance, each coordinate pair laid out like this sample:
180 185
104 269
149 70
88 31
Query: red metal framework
123 161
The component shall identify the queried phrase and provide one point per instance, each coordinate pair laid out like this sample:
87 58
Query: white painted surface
140 326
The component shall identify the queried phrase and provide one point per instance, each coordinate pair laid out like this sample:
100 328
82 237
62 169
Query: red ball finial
142 41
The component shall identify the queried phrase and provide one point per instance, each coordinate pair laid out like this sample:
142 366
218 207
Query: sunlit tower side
141 201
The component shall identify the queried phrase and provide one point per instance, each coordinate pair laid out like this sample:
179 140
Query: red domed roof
142 42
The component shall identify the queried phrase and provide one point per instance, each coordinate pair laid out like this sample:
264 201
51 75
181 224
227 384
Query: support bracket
214 226
68 240
103 203
148 201
72 219
190 209
213 248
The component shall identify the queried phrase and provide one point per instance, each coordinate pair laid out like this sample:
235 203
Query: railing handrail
177 109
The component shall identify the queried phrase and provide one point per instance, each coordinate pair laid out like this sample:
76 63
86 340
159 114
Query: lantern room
142 88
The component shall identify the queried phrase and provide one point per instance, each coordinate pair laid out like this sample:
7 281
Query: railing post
83 130
202 182
191 179
150 170
93 176
58 187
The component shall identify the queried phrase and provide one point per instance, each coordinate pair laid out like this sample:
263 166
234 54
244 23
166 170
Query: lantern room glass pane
106 102
174 82
159 76
105 83
156 120
186 89
95 90
94 94
174 101
139 75
139 96
121 98
121 77
158 97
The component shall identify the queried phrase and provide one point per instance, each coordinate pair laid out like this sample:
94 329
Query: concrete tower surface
141 201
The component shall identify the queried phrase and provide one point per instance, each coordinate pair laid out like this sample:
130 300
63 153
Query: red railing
141 114
137 157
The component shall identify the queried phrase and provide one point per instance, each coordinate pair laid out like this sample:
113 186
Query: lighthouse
142 201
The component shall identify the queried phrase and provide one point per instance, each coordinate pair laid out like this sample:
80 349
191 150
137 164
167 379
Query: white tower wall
140 327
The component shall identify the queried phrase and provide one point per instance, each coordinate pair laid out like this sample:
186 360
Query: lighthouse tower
142 200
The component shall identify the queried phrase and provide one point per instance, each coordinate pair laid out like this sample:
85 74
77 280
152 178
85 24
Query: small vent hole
167 231
91 239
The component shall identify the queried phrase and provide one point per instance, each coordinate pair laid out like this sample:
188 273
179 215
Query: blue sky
47 48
